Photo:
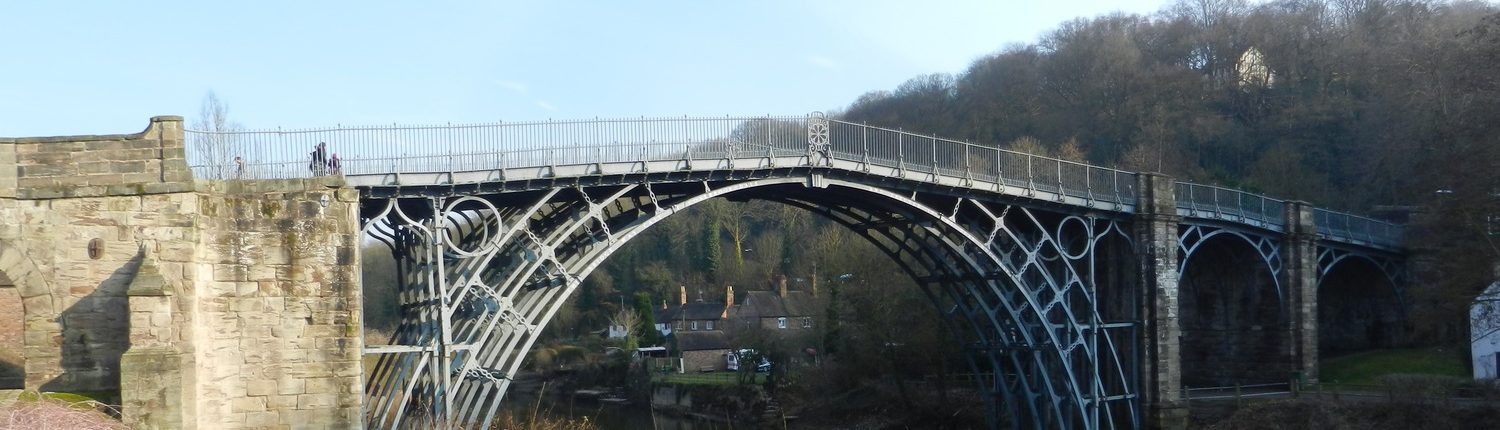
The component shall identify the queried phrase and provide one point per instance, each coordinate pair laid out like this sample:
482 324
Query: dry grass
48 414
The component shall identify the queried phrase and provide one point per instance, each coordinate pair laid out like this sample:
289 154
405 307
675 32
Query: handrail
386 149
1228 203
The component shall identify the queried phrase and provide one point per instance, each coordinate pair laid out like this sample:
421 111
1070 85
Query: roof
1490 294
768 304
691 311
701 340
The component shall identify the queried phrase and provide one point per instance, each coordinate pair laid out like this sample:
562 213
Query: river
608 417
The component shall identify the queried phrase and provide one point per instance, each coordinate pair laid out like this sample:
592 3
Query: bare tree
215 149
630 321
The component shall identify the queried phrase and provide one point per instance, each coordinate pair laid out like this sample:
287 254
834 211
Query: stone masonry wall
219 304
279 303
62 197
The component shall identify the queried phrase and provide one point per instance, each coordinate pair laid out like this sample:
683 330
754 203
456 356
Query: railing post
1239 205
901 153
864 135
1088 184
1115 177
968 175
934 157
1218 207
1030 177
1062 192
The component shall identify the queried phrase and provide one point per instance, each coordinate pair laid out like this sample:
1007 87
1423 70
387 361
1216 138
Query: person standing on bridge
319 163
333 165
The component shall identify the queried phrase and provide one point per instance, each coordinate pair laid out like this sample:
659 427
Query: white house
617 331
1484 321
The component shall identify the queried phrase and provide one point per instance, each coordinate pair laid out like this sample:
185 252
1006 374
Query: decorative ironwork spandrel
817 135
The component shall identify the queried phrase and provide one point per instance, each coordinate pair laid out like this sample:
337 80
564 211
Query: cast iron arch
579 233
1330 257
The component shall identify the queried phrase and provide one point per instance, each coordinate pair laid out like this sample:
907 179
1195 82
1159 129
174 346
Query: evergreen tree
649 336
711 249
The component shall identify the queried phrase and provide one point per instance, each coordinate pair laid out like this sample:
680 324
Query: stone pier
1155 231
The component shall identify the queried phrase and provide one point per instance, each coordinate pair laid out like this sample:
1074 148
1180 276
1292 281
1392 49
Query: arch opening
12 336
1358 309
1234 330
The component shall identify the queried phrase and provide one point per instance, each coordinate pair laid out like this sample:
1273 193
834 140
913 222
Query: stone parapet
153 161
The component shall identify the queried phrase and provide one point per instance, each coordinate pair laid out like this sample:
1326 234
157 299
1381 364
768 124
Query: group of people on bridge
322 163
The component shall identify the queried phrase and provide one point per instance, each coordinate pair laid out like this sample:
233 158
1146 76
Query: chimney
681 294
728 301
781 285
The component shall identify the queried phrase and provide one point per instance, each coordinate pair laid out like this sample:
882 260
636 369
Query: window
679 325
708 325
806 322
695 325
781 322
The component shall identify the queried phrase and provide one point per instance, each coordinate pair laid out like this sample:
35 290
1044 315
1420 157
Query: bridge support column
1155 231
151 372
1301 280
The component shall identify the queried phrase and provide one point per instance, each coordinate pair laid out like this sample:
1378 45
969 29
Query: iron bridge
1033 260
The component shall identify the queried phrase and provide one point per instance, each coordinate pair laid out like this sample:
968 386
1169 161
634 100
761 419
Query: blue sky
86 68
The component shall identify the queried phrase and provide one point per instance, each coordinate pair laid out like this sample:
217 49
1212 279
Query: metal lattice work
1267 247
483 273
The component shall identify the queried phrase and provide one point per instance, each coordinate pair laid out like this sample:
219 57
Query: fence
1357 229
1226 203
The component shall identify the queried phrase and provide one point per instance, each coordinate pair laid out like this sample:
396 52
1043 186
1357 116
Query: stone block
261 387
281 402
291 386
320 386
320 402
261 419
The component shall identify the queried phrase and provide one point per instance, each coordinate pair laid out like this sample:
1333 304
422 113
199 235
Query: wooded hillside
1349 104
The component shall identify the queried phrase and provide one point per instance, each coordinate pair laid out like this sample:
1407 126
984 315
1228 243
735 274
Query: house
779 309
696 316
703 350
1484 320
704 330
617 331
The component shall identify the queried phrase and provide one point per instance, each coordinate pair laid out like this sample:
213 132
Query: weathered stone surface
198 296
1155 231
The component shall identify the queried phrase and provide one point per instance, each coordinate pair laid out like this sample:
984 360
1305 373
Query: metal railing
380 150
1210 201
932 155
285 154
1352 228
